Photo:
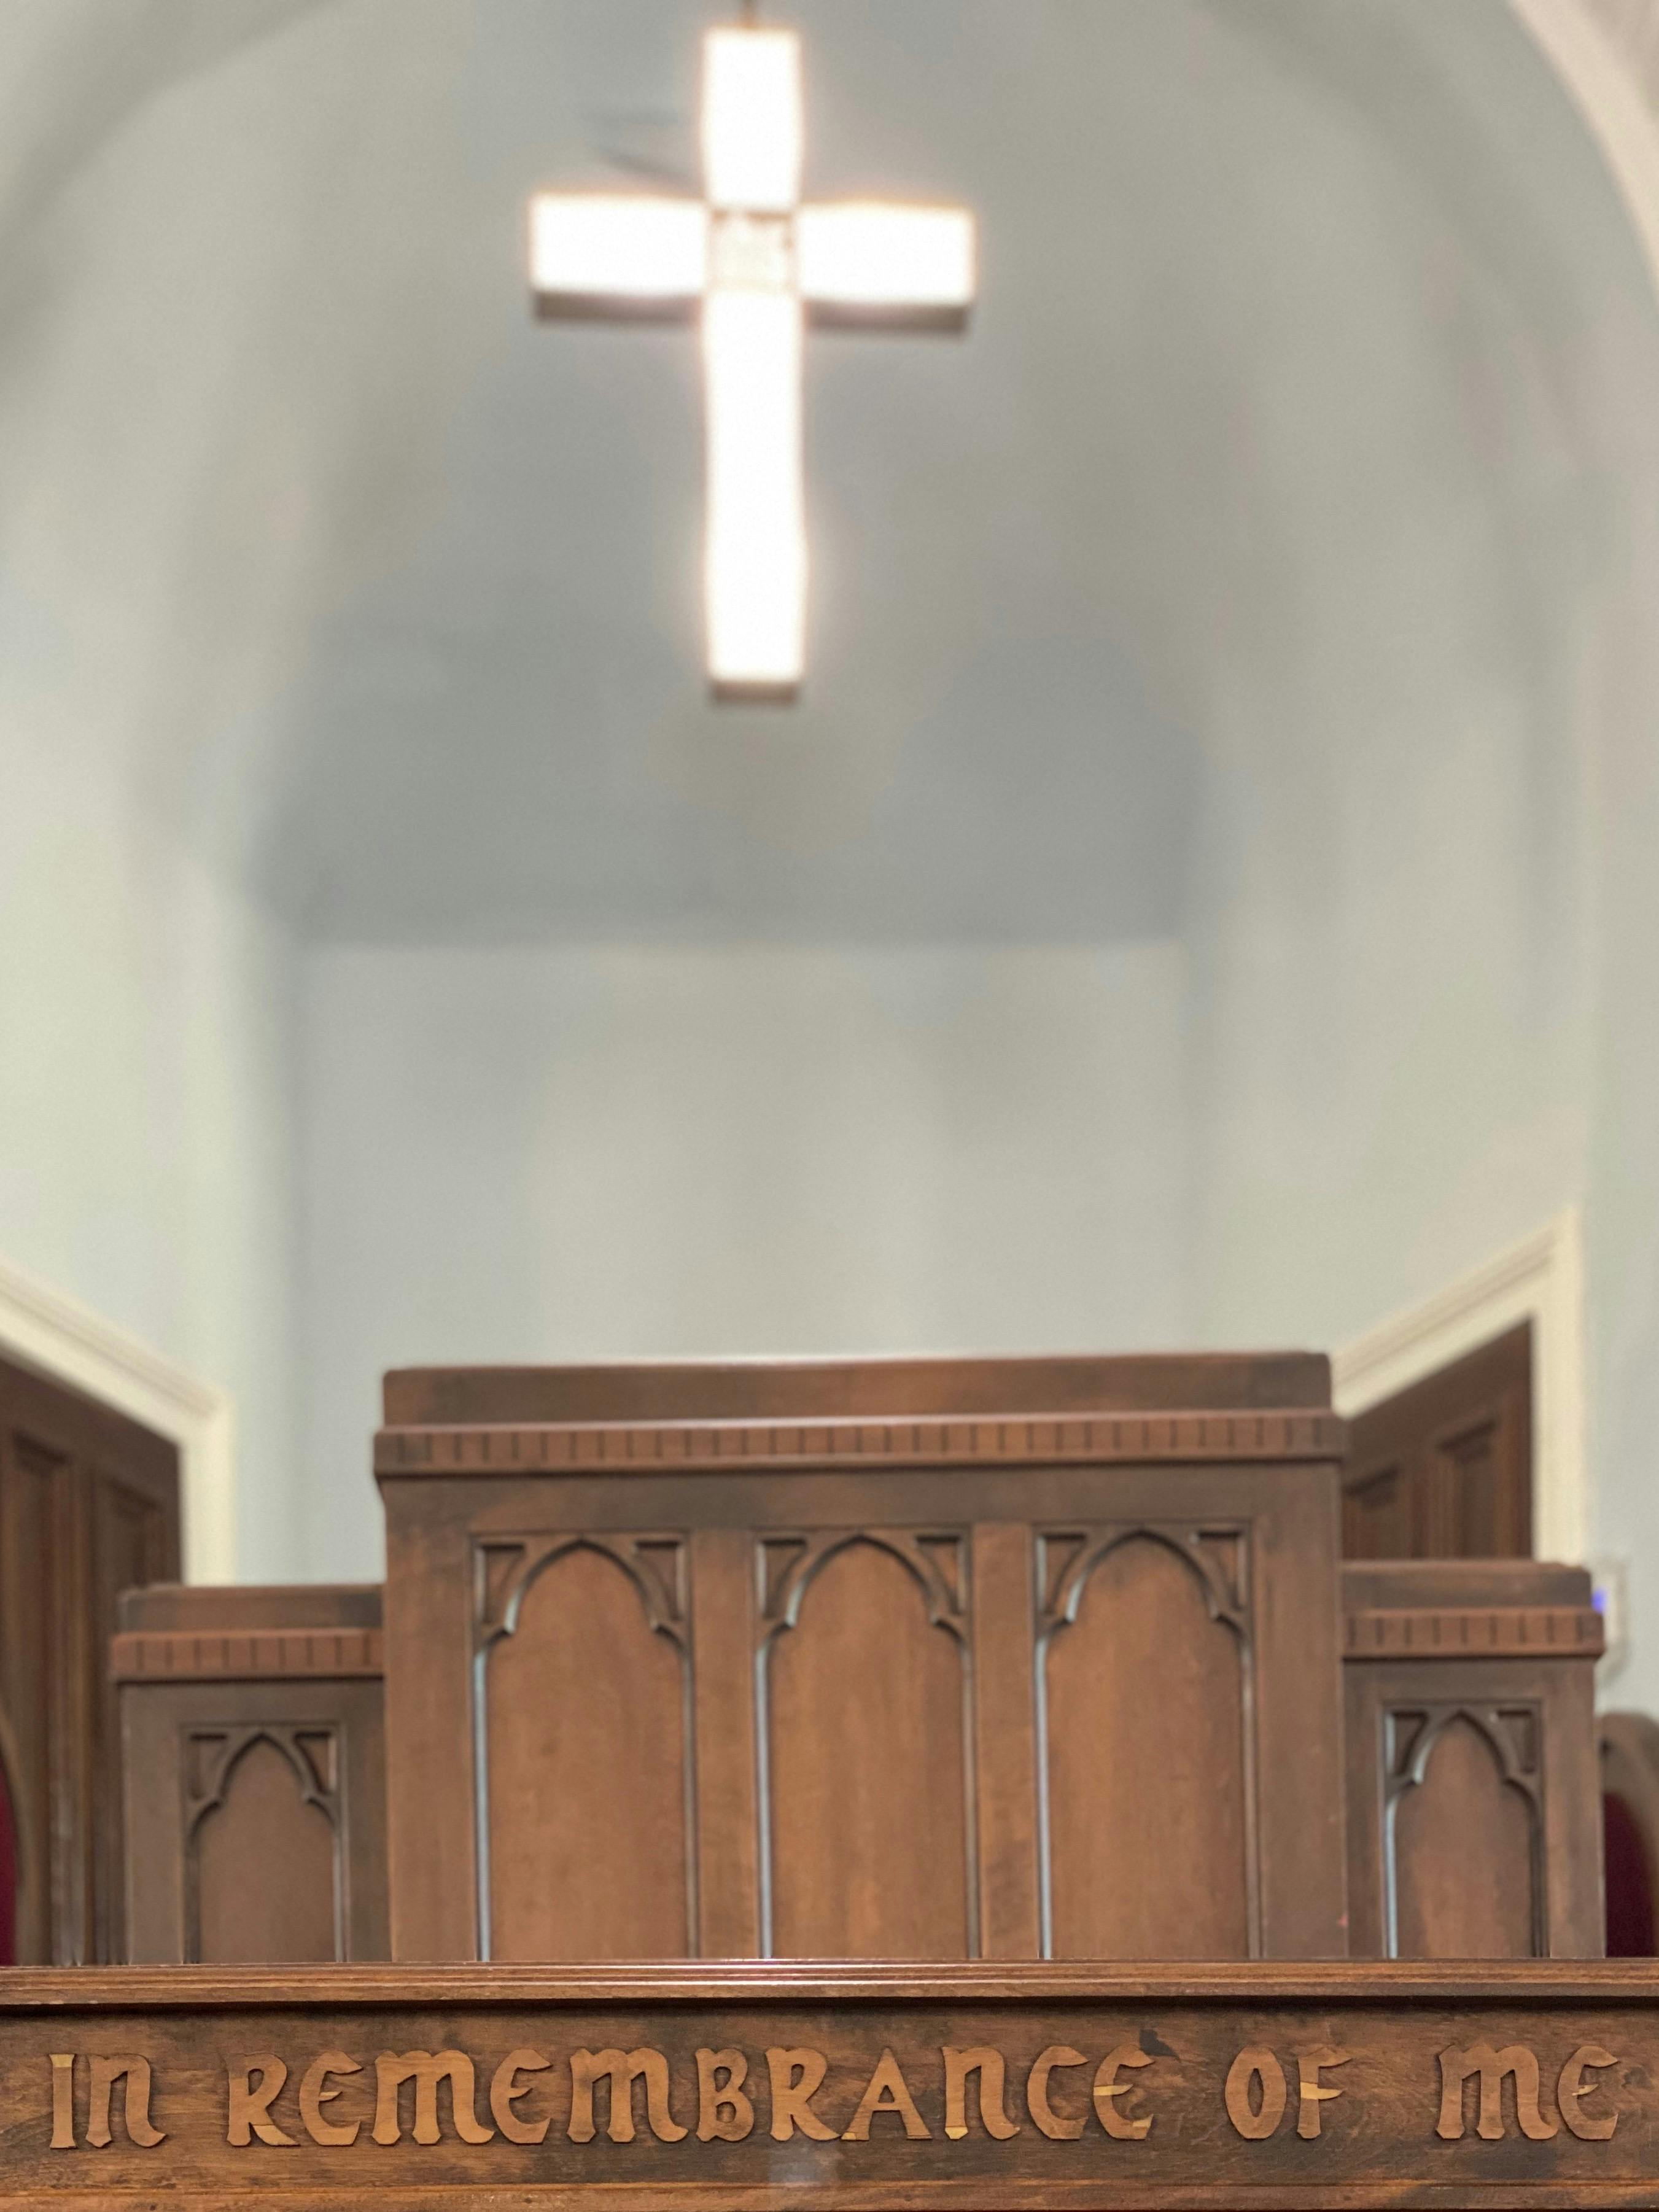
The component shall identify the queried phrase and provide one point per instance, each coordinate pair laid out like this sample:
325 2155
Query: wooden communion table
763 2087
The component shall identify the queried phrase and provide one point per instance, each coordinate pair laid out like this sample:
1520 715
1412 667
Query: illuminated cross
756 262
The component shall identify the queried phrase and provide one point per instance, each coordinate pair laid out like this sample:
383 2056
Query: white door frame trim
67 1342
1540 1279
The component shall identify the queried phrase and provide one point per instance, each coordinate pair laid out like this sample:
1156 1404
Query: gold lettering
313 2096
505 2089
249 2111
1255 2122
887 2092
426 2070
1311 2091
105 2073
980 2059
623 2068
62 2100
723 2113
1109 2089
1572 2087
1457 2067
1036 2092
796 2077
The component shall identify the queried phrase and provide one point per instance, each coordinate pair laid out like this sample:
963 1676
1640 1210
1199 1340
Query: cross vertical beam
756 264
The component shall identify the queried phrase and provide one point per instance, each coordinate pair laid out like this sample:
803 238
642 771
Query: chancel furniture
1032 1692
917 1660
772 2086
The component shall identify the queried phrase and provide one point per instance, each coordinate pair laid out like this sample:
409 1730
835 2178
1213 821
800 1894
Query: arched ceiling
388 595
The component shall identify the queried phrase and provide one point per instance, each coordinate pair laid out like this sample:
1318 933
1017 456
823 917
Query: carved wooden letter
1036 2092
1255 2123
796 2076
1109 2088
249 2113
623 2067
313 2096
1572 2087
723 2113
105 2073
505 2089
1456 2067
1311 2093
426 2068
988 2064
62 2100
887 2092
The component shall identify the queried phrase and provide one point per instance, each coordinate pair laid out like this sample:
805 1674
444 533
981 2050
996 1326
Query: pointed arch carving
1512 1735
1210 1782
654 1565
820 1729
310 1750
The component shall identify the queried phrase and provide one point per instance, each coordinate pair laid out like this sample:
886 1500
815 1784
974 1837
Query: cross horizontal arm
863 261
617 255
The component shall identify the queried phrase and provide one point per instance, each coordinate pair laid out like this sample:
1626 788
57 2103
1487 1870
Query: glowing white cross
756 262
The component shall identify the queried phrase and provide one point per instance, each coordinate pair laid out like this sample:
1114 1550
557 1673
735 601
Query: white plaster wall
146 1125
634 1152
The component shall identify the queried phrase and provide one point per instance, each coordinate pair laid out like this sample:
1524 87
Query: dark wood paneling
1350 2085
868 1835
859 1651
88 1505
859 1389
262 1868
1147 1755
1464 1855
1474 1827
587 1722
253 1761
1443 1469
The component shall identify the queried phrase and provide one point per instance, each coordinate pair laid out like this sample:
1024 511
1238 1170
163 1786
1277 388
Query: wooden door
88 1507
1442 1470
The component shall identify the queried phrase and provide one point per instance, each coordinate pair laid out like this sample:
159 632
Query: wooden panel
1452 1774
587 1722
255 1791
88 1503
861 1389
1005 1741
1443 1469
1525 2087
1376 1513
262 1872
723 1672
1146 1759
469 1506
28 1631
865 1728
1473 1827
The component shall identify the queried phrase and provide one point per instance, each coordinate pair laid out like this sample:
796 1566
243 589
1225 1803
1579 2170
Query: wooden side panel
1005 1741
254 1770
1443 1469
1146 1759
1473 1807
89 1504
263 1875
1455 1897
867 1759
723 1673
586 1724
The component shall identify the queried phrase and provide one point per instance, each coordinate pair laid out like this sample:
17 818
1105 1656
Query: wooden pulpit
925 1660
1017 1685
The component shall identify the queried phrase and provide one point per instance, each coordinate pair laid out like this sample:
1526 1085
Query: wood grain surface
832 2089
